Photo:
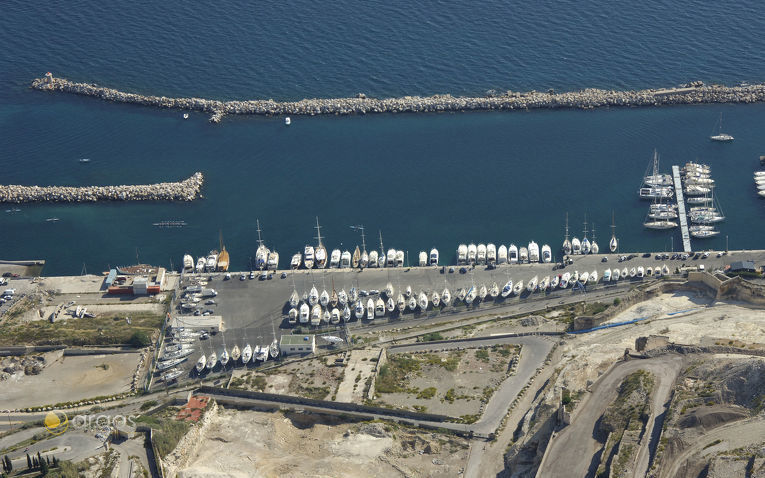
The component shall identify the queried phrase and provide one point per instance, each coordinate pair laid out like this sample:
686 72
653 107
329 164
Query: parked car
242 277
210 302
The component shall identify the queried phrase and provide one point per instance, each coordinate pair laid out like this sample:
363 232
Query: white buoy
287 121
185 116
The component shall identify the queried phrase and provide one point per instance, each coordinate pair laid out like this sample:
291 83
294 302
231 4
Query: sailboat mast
260 240
382 249
363 241
318 231
566 227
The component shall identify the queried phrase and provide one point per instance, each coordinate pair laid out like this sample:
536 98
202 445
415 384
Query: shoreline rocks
692 93
186 190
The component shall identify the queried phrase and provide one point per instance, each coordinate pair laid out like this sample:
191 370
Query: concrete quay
186 190
692 93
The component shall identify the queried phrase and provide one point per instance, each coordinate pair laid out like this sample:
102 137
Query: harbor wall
692 93
186 190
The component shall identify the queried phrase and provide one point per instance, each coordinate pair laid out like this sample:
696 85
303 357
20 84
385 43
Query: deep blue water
423 180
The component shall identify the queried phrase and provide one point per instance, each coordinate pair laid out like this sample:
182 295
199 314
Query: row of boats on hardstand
316 308
698 189
180 346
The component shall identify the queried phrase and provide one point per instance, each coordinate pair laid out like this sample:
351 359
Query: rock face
692 93
186 190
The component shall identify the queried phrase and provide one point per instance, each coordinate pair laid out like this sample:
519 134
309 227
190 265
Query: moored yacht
546 254
491 254
523 256
502 254
462 254
399 258
188 263
273 261
481 254
345 260
576 246
533 252
334 259
373 259
296 260
434 257
472 250
390 258
308 257
423 259
512 254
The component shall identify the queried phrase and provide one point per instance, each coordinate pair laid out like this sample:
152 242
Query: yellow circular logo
56 422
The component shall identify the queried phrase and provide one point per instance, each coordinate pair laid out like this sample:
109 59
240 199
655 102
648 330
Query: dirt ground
256 444
453 383
66 379
316 378
361 366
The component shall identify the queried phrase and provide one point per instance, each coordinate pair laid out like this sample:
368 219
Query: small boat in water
334 259
481 254
373 259
523 255
546 254
502 254
399 258
472 251
423 259
345 260
287 121
491 254
84 160
720 136
533 252
434 257
295 262
576 246
462 254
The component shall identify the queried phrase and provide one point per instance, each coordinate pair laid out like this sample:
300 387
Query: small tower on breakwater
49 78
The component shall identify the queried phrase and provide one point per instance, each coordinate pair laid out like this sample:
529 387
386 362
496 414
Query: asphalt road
572 451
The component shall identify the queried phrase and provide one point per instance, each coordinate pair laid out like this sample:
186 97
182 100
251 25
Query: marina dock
681 209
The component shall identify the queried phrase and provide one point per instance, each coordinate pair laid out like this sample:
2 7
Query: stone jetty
692 93
186 190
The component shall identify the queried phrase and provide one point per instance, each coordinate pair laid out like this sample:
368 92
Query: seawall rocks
186 190
692 93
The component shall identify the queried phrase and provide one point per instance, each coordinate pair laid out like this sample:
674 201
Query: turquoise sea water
423 180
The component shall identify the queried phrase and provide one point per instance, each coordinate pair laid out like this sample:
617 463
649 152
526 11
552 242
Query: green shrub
139 339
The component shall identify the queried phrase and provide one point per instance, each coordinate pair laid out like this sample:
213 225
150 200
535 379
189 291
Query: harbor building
297 344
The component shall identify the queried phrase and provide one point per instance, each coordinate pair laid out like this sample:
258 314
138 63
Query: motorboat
657 271
364 261
296 260
399 258
371 309
546 254
664 270
446 296
316 315
273 261
324 298
389 289
294 299
308 258
304 313
472 251
374 260
482 292
201 263
287 121
664 215
533 252
532 284
434 257
523 255
640 271
334 316
201 363
658 180
594 276
584 277
345 260
292 316
246 354
607 275
502 254
494 291
435 299
656 192
423 259
188 262
422 300
481 254
359 310
462 254
401 302
491 254
313 296
512 254
391 258
212 261
334 259
576 246
390 304
261 354
507 289
696 190
615 274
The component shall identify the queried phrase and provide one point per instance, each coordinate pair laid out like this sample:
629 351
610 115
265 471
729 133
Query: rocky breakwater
186 190
692 93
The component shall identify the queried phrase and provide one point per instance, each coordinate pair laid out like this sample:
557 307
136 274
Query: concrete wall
382 359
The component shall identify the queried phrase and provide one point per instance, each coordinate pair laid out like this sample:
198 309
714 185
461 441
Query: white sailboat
359 310
720 136
435 299
370 309
594 248
482 292
294 298
324 298
518 287
261 254
334 317
507 289
544 284
576 246
201 363
471 295
567 247
586 247
224 356
325 316
624 273
412 303
564 280
494 290
313 296
305 312
461 294
246 354
613 244
388 289
401 303
320 251
390 304
342 297
607 275
594 276
422 300
212 361
235 353
346 313
554 282
446 297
